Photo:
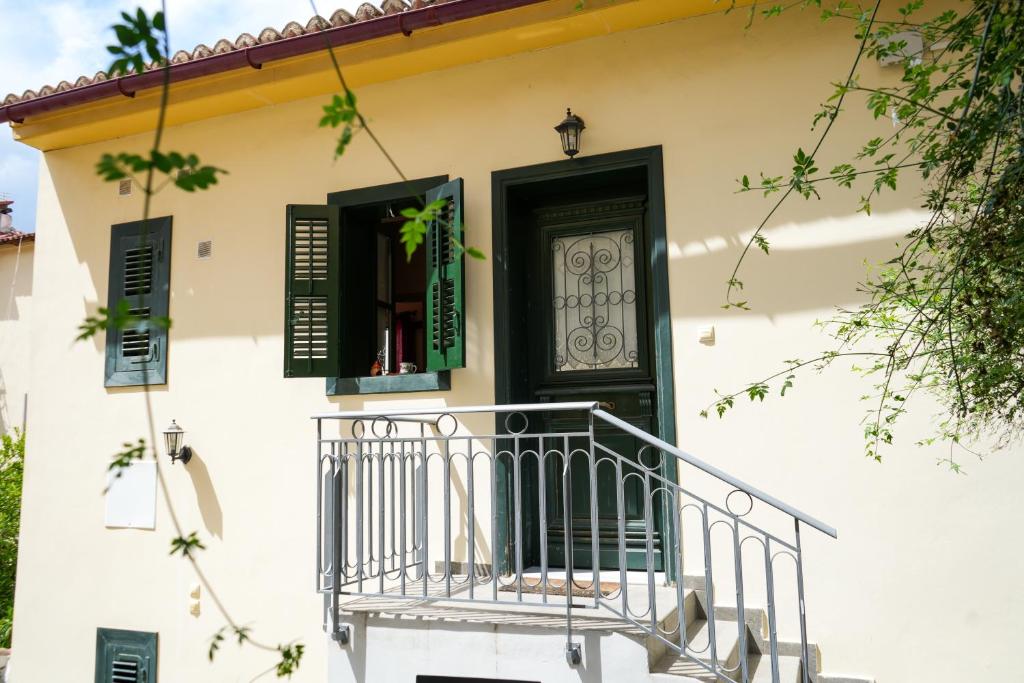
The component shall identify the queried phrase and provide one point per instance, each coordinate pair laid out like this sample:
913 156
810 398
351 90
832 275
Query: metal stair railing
399 492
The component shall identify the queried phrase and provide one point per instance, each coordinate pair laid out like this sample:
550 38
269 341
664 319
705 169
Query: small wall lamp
569 130
173 436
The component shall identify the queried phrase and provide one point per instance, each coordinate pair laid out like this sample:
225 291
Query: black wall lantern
570 130
173 436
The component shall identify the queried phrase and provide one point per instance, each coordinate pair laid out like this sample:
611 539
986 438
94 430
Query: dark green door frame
502 183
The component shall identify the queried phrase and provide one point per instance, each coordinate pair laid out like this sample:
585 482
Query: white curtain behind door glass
594 301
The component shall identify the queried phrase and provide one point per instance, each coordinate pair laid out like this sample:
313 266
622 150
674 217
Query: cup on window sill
406 368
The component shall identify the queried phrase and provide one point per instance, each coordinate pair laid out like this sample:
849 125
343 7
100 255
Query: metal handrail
717 473
595 408
383 489
461 410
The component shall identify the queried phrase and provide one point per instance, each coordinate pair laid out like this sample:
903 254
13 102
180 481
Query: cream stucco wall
924 560
16 261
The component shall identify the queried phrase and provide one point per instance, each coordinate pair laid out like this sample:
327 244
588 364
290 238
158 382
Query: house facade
356 477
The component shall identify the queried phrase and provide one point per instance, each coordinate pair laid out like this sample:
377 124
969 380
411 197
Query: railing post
709 590
573 651
381 512
445 453
652 604
517 514
320 564
805 660
595 546
342 502
402 541
339 633
470 519
741 614
620 504
677 521
359 516
773 636
494 519
542 508
319 507
424 519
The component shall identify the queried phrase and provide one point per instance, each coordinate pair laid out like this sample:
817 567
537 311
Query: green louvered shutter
312 318
140 274
446 347
125 656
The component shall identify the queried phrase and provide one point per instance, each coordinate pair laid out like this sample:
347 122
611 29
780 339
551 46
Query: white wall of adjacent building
16 260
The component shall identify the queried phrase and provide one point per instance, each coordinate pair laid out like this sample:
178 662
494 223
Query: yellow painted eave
388 58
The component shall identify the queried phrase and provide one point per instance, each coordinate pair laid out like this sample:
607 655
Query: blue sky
45 42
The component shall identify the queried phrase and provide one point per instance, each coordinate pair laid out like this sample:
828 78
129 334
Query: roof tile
292 29
393 6
245 40
366 12
317 23
15 236
341 17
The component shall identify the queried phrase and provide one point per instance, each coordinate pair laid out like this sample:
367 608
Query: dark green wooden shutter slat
313 291
446 346
140 261
125 656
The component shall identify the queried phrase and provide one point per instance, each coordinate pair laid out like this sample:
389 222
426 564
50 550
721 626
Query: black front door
587 313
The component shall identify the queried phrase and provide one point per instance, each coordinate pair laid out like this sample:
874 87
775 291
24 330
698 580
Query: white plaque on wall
131 498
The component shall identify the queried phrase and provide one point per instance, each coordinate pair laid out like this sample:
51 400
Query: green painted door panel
589 341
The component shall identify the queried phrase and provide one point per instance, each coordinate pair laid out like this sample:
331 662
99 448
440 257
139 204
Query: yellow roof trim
490 36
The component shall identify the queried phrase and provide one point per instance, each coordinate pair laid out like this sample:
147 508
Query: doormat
557 587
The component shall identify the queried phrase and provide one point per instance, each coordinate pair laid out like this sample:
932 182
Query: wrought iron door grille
594 301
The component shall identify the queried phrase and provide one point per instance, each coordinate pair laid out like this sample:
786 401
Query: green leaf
412 233
215 642
291 656
118 319
186 545
137 36
129 453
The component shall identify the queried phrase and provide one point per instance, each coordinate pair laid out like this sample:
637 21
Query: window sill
389 384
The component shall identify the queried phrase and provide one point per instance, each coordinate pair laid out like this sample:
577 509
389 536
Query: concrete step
656 648
669 667
760 669
726 643
697 638
677 669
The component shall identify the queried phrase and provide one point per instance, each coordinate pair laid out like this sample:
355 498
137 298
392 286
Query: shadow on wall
5 419
206 496
15 278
